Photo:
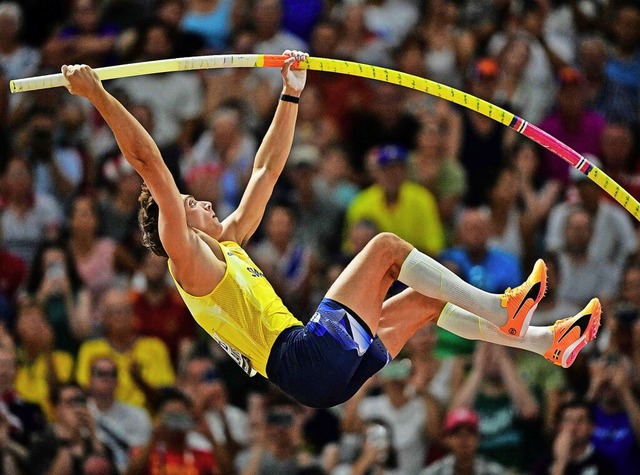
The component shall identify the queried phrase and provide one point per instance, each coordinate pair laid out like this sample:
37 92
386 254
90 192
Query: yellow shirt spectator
149 353
414 216
32 382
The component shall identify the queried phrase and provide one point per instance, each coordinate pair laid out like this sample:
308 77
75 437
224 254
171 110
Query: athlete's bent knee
390 247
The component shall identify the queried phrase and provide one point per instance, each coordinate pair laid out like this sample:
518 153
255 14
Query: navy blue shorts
325 362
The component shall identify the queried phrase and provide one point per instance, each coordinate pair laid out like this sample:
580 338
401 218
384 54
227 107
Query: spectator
168 450
484 141
267 16
448 48
319 219
356 42
616 411
242 86
414 419
581 274
376 456
573 451
572 123
119 213
20 421
624 65
14 274
503 402
171 13
335 177
341 39
615 100
613 238
435 163
71 439
517 214
288 264
213 20
434 376
622 331
28 217
390 20
120 426
227 144
17 59
159 310
313 125
276 449
397 205
41 367
461 429
55 284
175 99
84 39
57 169
381 121
92 253
225 423
481 265
619 155
143 362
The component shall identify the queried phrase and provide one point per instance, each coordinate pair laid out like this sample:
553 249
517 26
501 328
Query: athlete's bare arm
193 259
270 159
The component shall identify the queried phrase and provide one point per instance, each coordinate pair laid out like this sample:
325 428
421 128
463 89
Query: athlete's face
200 215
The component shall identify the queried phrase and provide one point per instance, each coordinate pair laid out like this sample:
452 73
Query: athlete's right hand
83 81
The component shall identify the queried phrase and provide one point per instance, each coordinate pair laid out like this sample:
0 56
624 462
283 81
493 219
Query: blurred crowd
103 370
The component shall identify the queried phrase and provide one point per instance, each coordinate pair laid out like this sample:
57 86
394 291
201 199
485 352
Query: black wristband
288 98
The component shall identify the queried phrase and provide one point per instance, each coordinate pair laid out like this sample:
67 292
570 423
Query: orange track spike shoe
522 301
571 334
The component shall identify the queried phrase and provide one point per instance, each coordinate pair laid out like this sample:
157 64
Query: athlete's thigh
403 314
364 283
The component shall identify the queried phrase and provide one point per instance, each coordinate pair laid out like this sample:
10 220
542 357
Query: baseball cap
391 155
304 155
462 417
484 68
577 176
396 370
568 76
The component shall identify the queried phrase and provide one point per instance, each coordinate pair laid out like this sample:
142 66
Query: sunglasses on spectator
105 373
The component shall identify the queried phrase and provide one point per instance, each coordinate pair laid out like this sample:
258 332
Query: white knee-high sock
430 278
470 326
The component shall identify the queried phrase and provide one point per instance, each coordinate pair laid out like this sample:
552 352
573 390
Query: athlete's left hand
293 79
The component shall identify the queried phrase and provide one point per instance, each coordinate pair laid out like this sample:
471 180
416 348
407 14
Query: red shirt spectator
159 309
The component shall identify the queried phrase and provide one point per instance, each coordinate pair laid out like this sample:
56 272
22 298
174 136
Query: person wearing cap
507 410
484 141
462 438
613 236
318 218
355 330
396 204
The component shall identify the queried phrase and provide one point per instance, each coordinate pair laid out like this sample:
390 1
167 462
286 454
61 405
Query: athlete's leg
404 313
511 311
364 283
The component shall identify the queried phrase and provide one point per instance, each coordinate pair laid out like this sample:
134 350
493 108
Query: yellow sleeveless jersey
243 313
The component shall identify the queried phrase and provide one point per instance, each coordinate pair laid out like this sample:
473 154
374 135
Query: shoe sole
541 293
590 333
